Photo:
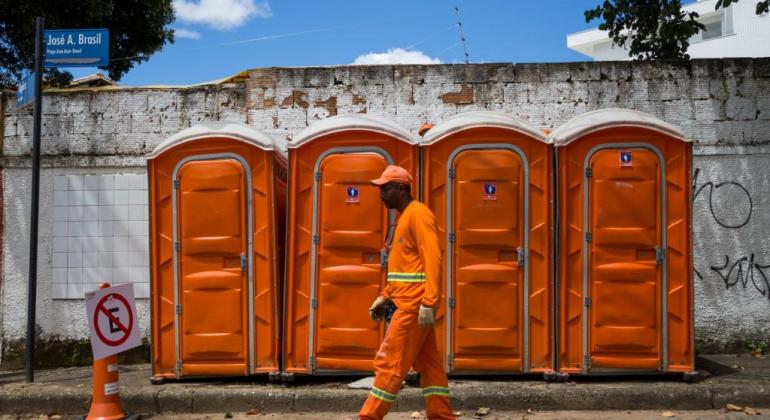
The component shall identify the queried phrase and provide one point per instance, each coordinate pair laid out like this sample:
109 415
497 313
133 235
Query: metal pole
33 221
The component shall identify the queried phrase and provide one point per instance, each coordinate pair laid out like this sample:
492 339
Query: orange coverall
414 276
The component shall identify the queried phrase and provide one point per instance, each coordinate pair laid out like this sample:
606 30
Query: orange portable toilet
337 228
214 240
625 255
488 178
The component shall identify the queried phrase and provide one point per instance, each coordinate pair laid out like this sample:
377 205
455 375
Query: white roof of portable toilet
340 123
478 119
607 118
236 131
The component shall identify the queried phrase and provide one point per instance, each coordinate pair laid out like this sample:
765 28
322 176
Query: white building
735 31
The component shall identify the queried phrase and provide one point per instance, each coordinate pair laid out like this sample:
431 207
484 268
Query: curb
499 396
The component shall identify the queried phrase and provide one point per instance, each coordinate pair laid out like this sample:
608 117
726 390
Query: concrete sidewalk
736 379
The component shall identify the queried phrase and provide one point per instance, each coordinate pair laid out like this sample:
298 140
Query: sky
219 38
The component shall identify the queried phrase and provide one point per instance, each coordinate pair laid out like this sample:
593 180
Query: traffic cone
105 398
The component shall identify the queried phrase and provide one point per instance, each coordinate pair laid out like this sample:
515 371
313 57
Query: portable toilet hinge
176 184
316 239
587 361
588 236
314 303
177 246
451 303
522 256
179 309
179 367
244 263
660 255
313 362
318 176
589 172
450 360
452 173
587 301
452 237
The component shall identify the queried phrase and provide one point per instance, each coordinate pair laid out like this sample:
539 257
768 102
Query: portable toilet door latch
522 256
244 263
660 255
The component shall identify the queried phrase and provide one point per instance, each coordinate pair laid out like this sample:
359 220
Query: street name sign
77 47
25 92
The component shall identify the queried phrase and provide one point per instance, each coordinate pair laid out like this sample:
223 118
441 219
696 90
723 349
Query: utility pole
462 36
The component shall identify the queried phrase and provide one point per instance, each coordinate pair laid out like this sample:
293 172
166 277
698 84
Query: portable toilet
214 257
488 178
337 228
625 298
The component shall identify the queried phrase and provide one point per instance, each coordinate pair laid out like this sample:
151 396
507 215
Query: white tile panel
60 198
122 197
60 183
60 214
100 225
75 182
91 198
91 182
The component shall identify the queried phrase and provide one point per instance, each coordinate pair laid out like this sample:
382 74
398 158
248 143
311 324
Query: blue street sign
77 48
25 92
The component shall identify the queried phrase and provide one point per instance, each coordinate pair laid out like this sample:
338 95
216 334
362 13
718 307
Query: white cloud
220 14
186 33
396 56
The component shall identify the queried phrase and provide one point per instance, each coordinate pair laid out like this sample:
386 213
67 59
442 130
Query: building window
713 29
100 233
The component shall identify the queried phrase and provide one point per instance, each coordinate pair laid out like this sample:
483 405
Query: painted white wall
749 37
55 317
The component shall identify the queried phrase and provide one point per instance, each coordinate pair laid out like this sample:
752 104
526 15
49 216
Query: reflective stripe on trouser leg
391 363
435 390
407 344
433 379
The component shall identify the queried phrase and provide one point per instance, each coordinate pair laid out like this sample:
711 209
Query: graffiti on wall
731 206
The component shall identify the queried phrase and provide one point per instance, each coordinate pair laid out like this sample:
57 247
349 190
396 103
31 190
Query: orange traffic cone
105 399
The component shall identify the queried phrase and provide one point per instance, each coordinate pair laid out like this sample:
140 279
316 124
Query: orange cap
393 173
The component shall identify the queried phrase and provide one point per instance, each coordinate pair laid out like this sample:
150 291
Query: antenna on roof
462 36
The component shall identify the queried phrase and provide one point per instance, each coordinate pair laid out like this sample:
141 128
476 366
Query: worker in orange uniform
414 276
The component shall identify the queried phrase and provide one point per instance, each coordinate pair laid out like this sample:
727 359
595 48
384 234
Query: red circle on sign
126 330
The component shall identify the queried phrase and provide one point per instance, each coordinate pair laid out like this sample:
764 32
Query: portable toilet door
213 253
337 229
488 178
625 259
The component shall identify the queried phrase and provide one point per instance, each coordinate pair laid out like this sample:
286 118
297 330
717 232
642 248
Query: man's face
390 193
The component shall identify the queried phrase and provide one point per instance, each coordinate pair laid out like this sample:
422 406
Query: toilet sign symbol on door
490 191
625 158
352 194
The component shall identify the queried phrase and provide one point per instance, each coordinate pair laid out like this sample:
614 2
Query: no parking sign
112 320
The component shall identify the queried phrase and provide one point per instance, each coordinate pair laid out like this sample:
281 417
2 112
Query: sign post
34 207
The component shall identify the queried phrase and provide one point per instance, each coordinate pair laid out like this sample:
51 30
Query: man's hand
377 310
427 316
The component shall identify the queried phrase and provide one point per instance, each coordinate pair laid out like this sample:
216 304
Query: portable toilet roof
236 131
481 119
609 118
352 122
